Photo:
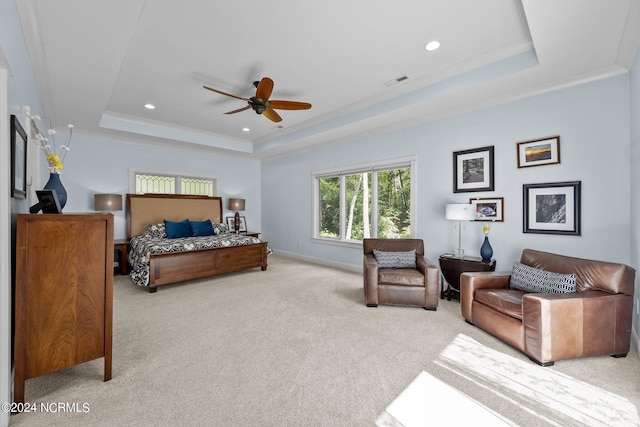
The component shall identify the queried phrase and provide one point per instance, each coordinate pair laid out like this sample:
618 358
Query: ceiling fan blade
271 114
290 105
238 110
265 87
224 93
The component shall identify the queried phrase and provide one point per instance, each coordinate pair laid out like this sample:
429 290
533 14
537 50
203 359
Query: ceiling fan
261 103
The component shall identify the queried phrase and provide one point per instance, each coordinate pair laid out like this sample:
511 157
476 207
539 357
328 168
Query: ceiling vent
396 80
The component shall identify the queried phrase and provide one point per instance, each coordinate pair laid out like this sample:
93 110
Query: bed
157 260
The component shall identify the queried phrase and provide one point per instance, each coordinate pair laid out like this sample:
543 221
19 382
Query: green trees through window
375 203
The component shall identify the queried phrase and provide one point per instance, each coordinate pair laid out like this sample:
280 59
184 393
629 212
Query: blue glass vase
486 251
54 183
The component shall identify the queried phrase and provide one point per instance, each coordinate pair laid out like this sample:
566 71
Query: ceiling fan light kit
261 104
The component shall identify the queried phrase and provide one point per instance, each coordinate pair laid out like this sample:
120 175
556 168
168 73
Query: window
172 184
372 200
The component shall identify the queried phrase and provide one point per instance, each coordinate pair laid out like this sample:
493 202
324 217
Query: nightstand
251 233
452 267
122 245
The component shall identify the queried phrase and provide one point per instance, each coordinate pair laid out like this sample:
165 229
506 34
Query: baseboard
321 261
635 342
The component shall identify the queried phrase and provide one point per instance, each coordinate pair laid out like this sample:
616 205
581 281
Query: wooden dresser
64 293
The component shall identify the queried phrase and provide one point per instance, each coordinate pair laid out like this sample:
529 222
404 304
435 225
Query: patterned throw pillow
156 230
395 259
530 279
220 228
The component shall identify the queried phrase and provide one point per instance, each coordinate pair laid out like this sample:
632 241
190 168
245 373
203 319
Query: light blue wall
21 91
592 121
635 186
101 165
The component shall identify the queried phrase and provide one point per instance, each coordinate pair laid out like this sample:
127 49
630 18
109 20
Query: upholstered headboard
143 209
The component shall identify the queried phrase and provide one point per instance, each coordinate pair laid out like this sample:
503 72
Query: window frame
341 172
178 177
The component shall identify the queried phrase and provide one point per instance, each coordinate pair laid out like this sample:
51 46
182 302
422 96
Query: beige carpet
292 346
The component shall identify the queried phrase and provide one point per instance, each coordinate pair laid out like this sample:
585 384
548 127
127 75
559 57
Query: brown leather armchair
593 321
418 287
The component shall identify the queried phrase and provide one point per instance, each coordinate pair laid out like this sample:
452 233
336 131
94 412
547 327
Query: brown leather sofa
417 287
593 321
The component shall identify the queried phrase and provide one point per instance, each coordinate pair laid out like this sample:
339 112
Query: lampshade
236 204
460 212
107 202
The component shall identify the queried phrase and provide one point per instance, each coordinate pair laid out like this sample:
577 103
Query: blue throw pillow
177 229
202 228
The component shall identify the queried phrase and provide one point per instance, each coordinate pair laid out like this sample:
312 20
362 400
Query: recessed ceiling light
433 45
149 106
246 130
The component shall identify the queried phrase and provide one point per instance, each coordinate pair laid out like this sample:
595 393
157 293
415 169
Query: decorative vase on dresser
54 183
64 294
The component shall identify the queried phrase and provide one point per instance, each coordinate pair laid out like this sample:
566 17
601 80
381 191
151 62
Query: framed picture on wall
539 152
488 208
18 159
473 170
552 208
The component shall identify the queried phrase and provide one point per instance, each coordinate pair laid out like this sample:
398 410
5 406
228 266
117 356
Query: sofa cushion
507 301
400 276
396 259
530 279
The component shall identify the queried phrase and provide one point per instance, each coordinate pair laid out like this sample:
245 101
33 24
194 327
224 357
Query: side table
122 245
452 267
255 234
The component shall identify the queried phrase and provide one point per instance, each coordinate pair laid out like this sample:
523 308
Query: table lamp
459 212
107 202
236 205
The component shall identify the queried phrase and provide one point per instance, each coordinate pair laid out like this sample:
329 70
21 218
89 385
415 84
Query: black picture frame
47 203
473 170
231 223
18 159
552 208
539 152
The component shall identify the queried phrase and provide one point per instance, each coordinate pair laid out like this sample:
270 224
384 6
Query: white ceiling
97 63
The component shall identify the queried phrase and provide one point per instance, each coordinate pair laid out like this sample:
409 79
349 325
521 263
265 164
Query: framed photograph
18 160
552 208
488 209
231 225
473 170
539 152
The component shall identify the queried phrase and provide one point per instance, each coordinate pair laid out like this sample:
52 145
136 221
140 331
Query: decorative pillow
177 229
396 259
156 230
220 228
202 228
530 279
